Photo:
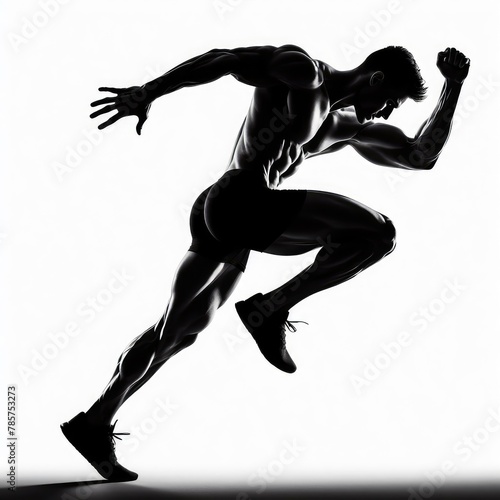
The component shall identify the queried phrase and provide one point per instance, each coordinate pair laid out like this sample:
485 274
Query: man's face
376 101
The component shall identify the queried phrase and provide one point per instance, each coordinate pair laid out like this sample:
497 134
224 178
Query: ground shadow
102 489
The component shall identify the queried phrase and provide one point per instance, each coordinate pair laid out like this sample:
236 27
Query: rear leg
199 288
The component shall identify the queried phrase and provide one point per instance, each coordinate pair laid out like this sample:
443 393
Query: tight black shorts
240 213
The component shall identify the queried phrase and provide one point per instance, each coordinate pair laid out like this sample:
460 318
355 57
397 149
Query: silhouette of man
301 108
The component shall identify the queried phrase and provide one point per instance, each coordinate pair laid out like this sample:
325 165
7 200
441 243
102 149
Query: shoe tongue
281 317
101 427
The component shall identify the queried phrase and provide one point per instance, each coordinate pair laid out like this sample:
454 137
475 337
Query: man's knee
388 236
383 238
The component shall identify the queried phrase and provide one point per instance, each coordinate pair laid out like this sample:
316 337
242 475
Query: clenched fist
454 66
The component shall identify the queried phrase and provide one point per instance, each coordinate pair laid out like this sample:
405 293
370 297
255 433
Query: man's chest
309 110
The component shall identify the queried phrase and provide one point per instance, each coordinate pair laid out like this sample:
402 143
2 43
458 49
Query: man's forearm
434 133
201 69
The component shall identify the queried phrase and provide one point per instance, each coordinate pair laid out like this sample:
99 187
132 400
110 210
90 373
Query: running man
301 108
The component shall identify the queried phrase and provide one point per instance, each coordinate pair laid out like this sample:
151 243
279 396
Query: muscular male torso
284 126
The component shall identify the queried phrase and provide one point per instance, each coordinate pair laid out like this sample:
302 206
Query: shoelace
113 434
288 324
290 327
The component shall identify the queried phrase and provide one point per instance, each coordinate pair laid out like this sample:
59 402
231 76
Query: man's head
387 78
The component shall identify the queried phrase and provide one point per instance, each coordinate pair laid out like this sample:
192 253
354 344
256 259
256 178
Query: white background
124 207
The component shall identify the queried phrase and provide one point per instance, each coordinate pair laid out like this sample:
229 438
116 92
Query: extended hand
127 102
454 66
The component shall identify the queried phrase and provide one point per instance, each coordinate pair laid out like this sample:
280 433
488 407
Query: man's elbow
429 164
416 164
426 162
416 159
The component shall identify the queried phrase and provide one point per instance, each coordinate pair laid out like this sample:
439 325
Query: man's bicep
383 144
378 143
381 135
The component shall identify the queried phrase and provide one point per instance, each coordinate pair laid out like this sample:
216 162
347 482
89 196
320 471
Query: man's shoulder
291 48
269 49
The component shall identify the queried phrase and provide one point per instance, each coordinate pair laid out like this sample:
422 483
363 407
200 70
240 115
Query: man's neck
341 86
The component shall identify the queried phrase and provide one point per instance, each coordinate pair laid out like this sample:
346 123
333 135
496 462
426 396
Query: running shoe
97 444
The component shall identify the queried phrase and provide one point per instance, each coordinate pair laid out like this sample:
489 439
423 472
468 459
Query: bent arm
388 146
262 66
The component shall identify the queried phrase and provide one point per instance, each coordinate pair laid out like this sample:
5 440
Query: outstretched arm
387 145
264 66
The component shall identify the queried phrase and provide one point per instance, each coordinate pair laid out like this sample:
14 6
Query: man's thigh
327 216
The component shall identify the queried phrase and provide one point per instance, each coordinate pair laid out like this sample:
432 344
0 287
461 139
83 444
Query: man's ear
376 78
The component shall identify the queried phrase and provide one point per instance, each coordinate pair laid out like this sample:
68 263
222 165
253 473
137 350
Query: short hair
400 70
